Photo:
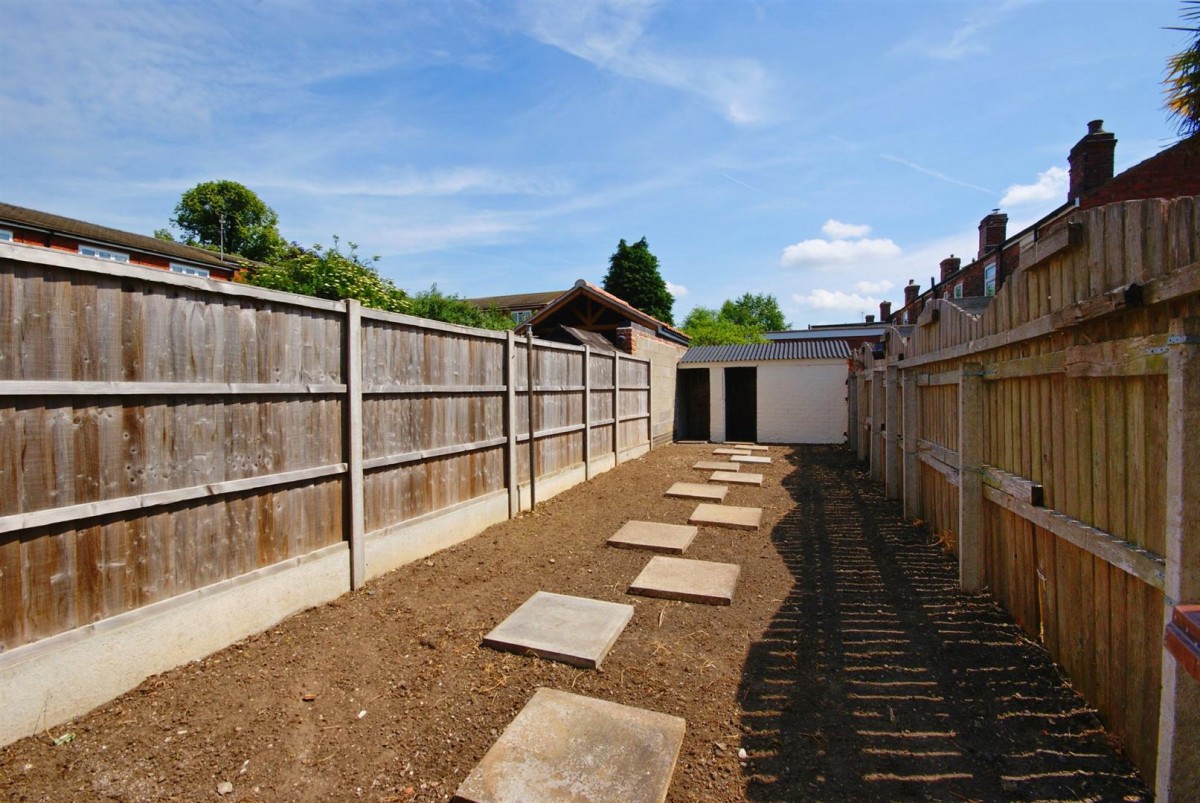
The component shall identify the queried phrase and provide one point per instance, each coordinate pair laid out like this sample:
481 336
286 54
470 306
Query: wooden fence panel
1075 440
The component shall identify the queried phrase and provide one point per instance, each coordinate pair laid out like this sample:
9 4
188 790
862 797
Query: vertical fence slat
355 517
970 478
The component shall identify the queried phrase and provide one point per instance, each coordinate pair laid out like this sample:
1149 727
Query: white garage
779 392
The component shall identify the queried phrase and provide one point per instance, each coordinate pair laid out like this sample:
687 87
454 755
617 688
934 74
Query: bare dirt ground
847 668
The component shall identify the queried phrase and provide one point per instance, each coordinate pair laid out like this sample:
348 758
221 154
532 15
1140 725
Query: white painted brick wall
799 401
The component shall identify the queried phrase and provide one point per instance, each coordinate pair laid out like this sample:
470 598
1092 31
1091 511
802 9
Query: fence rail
160 434
1047 441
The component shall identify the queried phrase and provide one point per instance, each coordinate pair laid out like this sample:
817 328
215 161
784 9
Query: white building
779 392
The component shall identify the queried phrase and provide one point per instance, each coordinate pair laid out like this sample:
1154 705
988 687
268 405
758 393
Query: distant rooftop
778 350
516 300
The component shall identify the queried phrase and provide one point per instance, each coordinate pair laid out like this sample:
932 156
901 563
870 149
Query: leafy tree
329 273
633 276
708 327
758 311
164 234
438 306
1183 77
227 215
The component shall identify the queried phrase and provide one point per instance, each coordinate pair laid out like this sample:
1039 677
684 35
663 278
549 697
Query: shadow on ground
878 680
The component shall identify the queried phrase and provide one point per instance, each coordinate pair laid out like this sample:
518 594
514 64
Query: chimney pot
911 292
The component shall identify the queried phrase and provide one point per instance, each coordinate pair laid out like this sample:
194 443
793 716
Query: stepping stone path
734 518
715 465
654 536
564 747
736 477
688 580
731 451
750 458
754 447
697 490
573 630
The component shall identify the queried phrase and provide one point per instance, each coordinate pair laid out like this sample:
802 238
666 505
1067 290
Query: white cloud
677 290
837 230
820 299
832 253
1051 185
881 286
609 34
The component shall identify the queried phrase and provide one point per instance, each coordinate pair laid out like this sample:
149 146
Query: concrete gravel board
736 477
573 630
564 747
731 451
654 536
750 458
697 490
688 580
735 518
716 465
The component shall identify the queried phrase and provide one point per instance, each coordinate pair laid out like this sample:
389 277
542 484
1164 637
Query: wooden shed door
741 404
693 403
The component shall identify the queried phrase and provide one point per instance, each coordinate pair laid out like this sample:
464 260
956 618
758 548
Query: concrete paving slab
736 477
731 451
716 465
754 447
750 458
654 536
574 630
734 518
688 580
564 747
697 490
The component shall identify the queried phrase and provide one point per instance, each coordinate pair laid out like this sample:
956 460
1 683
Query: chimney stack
870 319
911 291
992 231
885 311
1091 160
950 266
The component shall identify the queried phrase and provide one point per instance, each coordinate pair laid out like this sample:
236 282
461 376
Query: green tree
759 311
1183 76
438 306
229 216
708 327
633 277
329 273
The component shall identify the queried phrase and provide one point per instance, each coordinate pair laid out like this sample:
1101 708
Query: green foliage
707 327
329 273
633 277
164 234
438 306
757 311
1183 77
216 214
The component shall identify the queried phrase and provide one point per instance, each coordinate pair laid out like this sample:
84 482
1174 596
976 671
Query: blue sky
823 152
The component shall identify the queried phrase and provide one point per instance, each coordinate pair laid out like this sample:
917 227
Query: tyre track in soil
879 680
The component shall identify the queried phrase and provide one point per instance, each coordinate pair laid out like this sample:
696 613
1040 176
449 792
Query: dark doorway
692 403
741 404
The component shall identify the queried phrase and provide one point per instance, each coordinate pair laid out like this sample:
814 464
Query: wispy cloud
610 35
835 300
934 173
677 290
964 40
1051 185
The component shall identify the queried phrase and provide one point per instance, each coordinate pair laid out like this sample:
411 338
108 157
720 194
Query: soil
848 668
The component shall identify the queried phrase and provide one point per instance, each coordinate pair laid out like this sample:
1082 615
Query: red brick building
1173 173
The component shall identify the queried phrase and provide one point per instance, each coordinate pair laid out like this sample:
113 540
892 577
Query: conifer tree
633 277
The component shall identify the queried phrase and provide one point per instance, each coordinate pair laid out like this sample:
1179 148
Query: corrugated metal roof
777 350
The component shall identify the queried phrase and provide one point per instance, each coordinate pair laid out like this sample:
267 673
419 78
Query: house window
520 316
5 236
188 270
102 253
989 279
958 290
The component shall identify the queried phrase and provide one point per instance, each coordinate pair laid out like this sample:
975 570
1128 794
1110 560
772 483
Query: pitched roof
44 221
775 350
594 339
516 301
634 314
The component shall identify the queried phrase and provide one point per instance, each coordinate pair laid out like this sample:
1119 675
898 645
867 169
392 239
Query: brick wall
664 359
799 401
1174 173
